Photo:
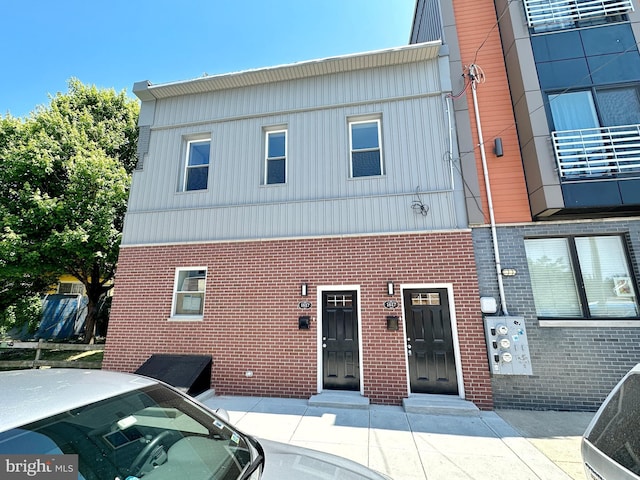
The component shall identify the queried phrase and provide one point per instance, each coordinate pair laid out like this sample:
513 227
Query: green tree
64 185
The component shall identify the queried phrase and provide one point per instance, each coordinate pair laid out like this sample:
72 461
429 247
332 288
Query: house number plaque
304 305
390 304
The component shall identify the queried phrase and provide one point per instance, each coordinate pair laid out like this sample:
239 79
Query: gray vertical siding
427 23
319 197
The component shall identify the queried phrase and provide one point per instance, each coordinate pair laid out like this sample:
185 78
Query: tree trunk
90 320
95 291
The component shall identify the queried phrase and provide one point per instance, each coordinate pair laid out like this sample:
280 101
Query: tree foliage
64 185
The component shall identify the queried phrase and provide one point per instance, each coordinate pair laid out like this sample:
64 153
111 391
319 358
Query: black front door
432 366
340 357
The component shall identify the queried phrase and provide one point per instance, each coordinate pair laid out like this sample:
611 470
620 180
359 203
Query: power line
495 25
546 102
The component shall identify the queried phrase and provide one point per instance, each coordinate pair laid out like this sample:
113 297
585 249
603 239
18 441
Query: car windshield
151 433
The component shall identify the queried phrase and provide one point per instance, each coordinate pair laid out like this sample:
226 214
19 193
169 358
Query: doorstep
440 405
339 399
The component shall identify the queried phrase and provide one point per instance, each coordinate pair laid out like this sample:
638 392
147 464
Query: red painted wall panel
479 42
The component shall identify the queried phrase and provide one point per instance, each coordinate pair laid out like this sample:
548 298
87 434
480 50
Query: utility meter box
507 345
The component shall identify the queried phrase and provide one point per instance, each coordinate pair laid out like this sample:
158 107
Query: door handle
324 345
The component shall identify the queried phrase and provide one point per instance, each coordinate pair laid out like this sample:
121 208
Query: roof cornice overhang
418 52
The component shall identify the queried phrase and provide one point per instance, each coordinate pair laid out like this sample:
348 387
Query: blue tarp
63 317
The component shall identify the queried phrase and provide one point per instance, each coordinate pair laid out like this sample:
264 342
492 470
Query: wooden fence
43 345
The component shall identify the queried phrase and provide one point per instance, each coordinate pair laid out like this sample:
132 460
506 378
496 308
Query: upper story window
71 288
595 107
550 15
573 110
276 157
196 173
595 131
581 278
188 295
365 146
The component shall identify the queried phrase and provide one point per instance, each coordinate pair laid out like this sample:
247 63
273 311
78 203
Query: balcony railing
597 152
549 12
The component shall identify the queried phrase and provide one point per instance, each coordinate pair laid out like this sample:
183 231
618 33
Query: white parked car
611 443
118 426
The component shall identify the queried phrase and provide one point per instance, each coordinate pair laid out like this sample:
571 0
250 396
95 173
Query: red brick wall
251 309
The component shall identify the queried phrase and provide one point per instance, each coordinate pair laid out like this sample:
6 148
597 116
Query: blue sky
114 43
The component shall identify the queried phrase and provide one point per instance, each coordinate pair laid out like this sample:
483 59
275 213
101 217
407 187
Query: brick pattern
251 309
573 368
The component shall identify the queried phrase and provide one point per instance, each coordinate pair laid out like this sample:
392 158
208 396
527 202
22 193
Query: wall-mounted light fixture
303 290
390 289
509 272
497 147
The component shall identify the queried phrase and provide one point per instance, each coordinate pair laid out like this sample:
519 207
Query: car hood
284 462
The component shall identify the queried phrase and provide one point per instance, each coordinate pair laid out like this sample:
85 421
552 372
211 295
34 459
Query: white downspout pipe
473 74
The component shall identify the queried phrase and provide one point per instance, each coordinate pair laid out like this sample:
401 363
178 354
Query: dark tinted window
619 106
276 157
365 149
197 169
366 164
150 433
276 171
617 431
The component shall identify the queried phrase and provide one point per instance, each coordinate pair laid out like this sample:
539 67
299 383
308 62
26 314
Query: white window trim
186 167
268 132
361 120
73 286
174 296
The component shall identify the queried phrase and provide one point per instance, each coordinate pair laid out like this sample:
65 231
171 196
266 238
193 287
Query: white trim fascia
404 54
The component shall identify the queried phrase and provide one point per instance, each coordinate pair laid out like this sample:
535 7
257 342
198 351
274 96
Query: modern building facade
305 225
549 93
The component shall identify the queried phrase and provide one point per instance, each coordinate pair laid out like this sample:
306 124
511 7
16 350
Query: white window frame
75 288
187 167
360 121
176 292
267 158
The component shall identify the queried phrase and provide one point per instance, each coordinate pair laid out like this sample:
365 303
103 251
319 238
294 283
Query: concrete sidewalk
417 446
556 434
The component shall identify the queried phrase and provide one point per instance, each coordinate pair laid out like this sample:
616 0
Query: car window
20 441
153 433
617 431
